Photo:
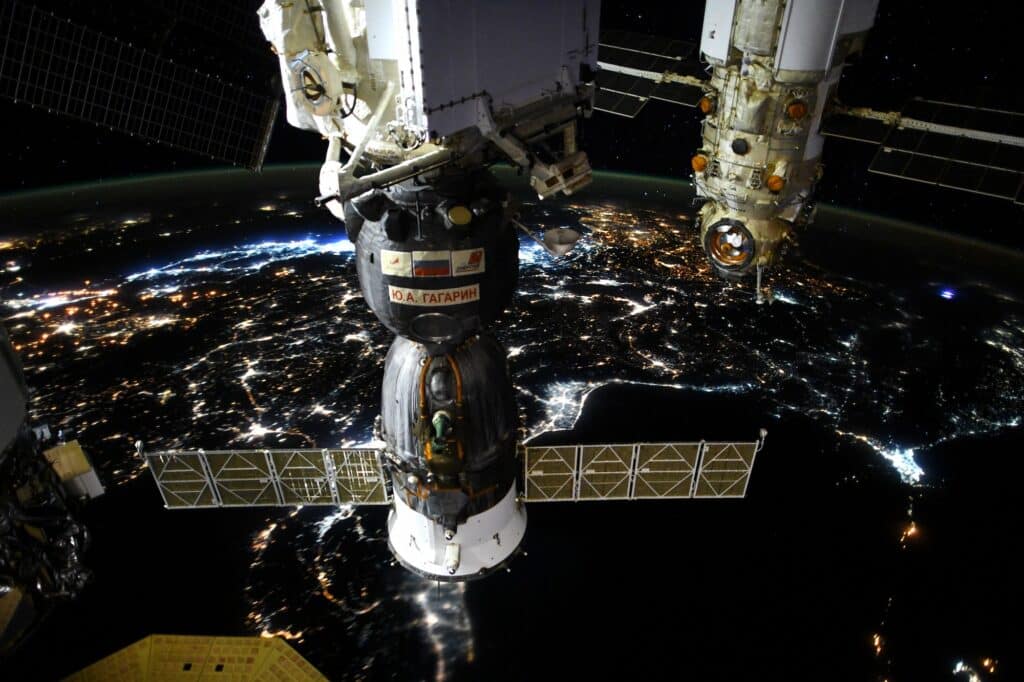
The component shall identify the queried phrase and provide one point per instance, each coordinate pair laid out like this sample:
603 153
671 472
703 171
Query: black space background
916 48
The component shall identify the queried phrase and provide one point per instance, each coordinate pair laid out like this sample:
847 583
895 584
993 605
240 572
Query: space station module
775 69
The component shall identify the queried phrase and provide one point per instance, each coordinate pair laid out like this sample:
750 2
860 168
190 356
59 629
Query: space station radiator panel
638 471
65 68
273 478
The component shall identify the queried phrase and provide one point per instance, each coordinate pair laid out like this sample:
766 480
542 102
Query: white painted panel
716 33
858 16
408 38
515 52
809 31
815 142
381 37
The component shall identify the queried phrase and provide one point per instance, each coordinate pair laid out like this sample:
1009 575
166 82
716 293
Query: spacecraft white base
480 545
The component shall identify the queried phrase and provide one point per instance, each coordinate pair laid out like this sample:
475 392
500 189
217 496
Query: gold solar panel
725 469
182 480
605 472
167 658
359 476
252 478
303 476
242 479
550 473
665 469
638 471
174 657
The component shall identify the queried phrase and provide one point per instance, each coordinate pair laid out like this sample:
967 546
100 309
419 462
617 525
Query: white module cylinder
808 36
480 545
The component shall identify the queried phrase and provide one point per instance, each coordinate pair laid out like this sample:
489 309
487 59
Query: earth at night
222 310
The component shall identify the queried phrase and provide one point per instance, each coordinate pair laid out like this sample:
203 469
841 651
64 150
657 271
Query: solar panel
957 148
550 473
49 62
855 128
183 657
678 93
182 480
640 61
665 470
638 471
989 120
243 479
618 104
625 84
358 475
250 478
303 477
959 175
605 472
725 469
640 42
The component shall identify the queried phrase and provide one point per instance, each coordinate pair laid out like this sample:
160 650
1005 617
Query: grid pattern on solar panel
964 116
855 128
242 479
49 62
618 104
944 172
665 469
957 148
678 93
625 84
174 657
359 477
725 469
605 472
640 42
248 478
638 471
182 480
550 473
639 61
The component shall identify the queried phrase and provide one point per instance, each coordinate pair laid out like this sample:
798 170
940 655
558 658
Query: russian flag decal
431 264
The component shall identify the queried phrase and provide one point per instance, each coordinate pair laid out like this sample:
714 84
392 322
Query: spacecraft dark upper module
416 101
